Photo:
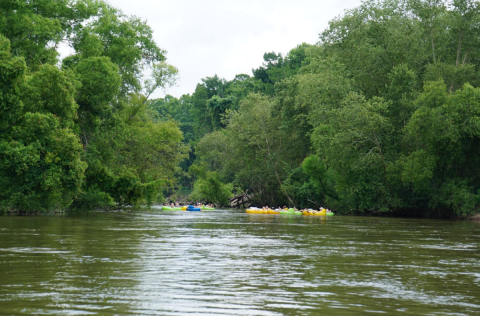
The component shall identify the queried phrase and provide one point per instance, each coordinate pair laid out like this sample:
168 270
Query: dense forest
78 133
381 116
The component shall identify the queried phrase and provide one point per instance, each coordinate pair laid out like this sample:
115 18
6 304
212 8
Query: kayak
206 208
168 208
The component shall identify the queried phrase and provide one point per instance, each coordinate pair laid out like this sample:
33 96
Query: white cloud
204 38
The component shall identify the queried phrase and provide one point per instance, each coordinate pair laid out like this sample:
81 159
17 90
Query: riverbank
475 217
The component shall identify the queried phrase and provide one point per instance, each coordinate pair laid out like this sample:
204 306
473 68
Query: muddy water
227 262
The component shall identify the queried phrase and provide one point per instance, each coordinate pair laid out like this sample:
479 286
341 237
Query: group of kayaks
189 208
290 211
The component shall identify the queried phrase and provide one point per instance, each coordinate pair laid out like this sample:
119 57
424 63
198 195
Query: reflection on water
232 263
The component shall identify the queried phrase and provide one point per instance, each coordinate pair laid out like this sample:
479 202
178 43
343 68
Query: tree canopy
380 116
81 135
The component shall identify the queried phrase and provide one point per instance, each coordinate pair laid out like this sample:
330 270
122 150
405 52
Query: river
227 262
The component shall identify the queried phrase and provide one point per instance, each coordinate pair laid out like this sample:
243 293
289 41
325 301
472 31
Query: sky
229 37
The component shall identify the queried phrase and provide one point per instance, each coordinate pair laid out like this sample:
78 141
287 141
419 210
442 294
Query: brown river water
227 262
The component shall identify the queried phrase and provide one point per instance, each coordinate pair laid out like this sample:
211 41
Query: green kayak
206 208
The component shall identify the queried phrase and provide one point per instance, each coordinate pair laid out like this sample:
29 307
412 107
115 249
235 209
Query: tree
382 35
209 188
12 76
40 165
50 90
99 92
40 158
252 148
35 28
354 146
100 85
126 41
202 118
163 76
442 165
218 106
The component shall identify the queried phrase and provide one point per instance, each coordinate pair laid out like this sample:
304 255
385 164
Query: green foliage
313 167
277 68
442 163
126 41
217 106
311 185
50 90
372 39
251 150
12 72
83 133
133 158
93 199
177 109
382 115
354 146
302 191
100 84
164 76
40 165
454 76
36 27
201 116
209 188
401 91
355 101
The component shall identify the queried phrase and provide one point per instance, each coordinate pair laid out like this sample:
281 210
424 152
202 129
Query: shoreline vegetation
380 117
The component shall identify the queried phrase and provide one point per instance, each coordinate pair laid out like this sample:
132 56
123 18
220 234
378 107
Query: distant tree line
382 115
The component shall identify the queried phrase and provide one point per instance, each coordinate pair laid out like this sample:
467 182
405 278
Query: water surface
228 262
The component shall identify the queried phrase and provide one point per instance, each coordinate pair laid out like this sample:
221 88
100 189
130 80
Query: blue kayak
190 208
